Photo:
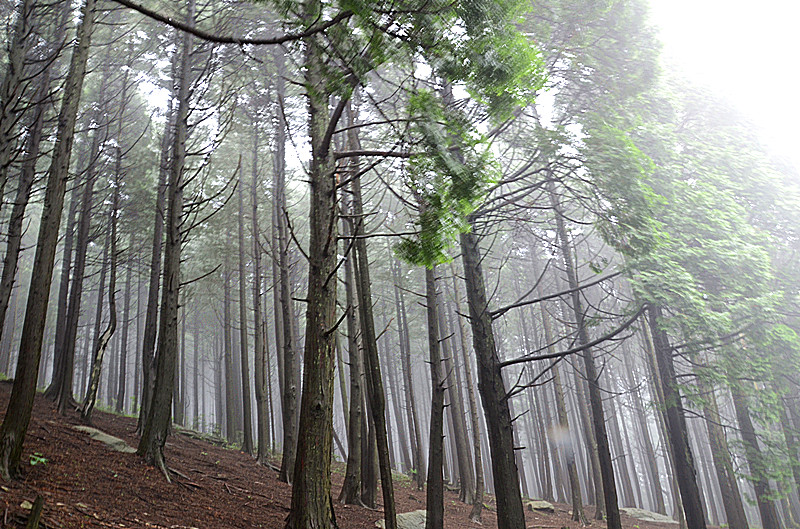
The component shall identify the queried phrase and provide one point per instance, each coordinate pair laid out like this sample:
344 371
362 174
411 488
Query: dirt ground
84 484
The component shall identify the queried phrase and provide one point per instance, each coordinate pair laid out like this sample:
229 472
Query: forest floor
85 484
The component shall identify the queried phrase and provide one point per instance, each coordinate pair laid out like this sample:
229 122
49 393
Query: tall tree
18 412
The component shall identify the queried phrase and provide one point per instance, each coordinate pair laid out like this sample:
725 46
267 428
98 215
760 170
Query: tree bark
434 518
99 352
247 442
20 405
312 506
156 427
590 370
676 425
492 389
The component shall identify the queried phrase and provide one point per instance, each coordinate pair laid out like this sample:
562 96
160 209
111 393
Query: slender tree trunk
247 443
434 518
676 425
312 506
123 357
492 389
151 315
156 427
477 505
755 461
592 376
377 396
721 455
411 406
12 87
100 349
230 385
463 456
20 405
260 352
287 354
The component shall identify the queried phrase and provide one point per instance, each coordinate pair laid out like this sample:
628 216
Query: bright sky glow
746 51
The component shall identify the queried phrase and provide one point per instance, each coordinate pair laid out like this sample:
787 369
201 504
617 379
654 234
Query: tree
18 412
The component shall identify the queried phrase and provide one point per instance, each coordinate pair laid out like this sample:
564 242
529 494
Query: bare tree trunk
377 396
230 385
351 487
151 315
20 405
156 427
676 425
411 405
477 505
312 506
493 392
13 86
123 358
463 456
260 352
434 518
247 443
100 349
287 354
592 376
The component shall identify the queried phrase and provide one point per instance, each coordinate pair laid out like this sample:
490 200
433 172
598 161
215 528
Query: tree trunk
372 366
287 355
351 488
477 505
100 349
758 467
20 405
260 352
156 427
676 425
13 86
405 351
590 370
247 443
312 506
123 357
151 315
463 456
434 518
492 389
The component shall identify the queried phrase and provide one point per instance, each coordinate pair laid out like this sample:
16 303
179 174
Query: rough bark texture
247 441
312 506
99 352
434 518
18 412
260 353
676 425
491 386
156 427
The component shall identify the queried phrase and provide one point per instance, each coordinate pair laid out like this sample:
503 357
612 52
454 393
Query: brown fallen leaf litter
85 484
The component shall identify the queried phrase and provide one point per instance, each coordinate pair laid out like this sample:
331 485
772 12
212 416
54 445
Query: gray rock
114 443
540 505
407 520
647 516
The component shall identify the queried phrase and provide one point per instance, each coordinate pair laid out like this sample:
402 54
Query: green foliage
37 458
447 178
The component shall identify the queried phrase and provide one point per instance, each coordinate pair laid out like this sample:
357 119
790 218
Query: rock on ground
407 520
647 516
114 443
540 505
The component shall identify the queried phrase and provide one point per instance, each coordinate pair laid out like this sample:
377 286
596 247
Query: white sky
746 51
